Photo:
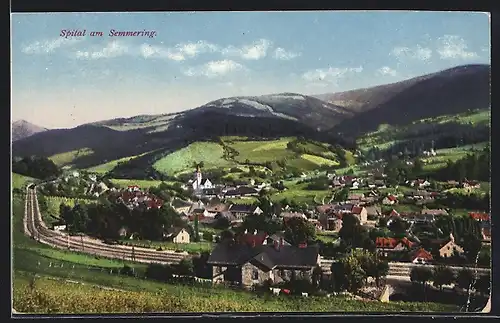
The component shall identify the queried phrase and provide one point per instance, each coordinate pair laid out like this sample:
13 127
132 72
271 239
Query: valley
325 175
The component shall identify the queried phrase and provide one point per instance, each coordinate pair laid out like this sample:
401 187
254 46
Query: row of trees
106 220
36 167
443 275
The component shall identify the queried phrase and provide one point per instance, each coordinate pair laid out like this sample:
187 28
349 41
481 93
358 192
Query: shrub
127 271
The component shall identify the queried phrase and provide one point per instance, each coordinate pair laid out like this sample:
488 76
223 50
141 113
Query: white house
60 227
177 235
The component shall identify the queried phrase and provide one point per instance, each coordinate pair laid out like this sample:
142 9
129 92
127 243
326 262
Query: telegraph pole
81 238
133 253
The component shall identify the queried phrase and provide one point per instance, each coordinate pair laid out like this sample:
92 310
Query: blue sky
194 58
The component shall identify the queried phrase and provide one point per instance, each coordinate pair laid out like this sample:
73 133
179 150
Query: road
37 229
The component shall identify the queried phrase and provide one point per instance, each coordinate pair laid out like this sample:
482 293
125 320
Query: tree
372 265
421 275
185 267
417 167
398 226
382 222
472 246
299 230
348 273
316 275
442 275
483 284
196 229
80 219
352 232
222 223
464 279
65 213
341 195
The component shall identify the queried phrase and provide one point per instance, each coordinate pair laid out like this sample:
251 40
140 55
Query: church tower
197 177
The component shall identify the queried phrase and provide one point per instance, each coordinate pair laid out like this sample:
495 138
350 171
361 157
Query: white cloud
282 54
112 49
215 68
386 70
418 52
194 49
149 51
49 46
254 51
330 75
454 47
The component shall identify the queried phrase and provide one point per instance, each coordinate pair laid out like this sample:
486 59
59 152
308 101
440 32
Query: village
255 241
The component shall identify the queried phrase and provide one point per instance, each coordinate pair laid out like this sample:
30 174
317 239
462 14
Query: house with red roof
486 233
421 256
387 246
390 200
479 216
471 184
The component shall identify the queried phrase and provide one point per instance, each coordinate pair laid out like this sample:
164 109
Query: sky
183 60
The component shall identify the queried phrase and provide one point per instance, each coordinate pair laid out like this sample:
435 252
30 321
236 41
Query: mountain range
331 117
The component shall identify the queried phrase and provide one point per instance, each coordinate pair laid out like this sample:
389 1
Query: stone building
250 263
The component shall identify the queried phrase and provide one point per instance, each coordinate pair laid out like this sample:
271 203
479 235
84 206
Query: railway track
36 228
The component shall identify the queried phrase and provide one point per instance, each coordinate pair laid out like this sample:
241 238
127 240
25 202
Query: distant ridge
23 129
450 91
352 114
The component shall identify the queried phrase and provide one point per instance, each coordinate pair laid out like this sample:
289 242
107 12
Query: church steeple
197 177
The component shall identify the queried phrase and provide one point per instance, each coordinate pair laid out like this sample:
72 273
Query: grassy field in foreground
67 158
188 247
19 181
52 296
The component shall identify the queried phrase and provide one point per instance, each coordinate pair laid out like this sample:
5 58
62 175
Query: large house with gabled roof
248 262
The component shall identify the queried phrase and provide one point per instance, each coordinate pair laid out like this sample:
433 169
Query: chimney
255 233
452 238
276 245
246 231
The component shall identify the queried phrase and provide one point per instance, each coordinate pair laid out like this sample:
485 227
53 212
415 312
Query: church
199 183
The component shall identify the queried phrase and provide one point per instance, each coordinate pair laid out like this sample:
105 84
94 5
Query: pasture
67 158
260 152
210 153
106 167
20 181
142 183
54 202
453 154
